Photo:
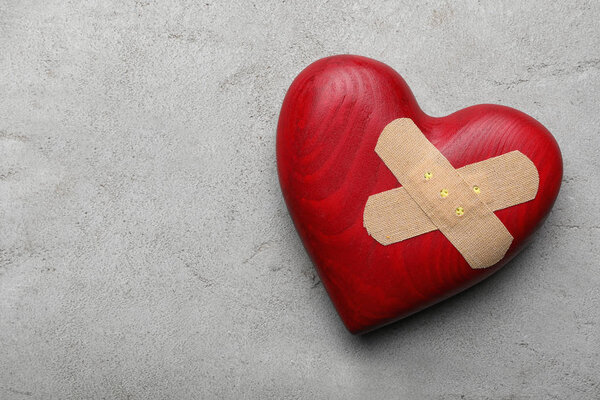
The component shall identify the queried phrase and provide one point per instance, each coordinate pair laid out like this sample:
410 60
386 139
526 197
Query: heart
330 121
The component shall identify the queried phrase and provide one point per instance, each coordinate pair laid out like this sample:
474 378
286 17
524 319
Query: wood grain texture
329 124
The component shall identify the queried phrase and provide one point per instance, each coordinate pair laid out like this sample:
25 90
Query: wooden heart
330 121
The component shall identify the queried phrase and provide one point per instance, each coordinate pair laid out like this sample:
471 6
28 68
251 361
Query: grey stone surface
145 249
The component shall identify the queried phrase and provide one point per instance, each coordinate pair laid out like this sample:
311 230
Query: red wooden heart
329 124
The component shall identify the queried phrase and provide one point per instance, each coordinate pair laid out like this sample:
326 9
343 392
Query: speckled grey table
145 249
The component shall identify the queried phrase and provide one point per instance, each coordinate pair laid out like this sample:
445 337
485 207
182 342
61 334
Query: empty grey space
145 248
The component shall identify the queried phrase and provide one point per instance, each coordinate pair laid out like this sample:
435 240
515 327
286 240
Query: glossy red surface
330 120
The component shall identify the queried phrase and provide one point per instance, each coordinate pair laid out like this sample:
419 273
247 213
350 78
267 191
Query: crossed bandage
434 195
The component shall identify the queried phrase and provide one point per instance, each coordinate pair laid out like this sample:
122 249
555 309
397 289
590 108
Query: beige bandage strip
436 196
501 182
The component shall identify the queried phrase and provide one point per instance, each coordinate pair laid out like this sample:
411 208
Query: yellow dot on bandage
459 211
428 175
476 189
444 193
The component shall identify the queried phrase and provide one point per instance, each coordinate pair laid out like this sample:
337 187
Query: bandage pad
434 195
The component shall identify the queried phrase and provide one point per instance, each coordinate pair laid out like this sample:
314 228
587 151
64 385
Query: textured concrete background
146 252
